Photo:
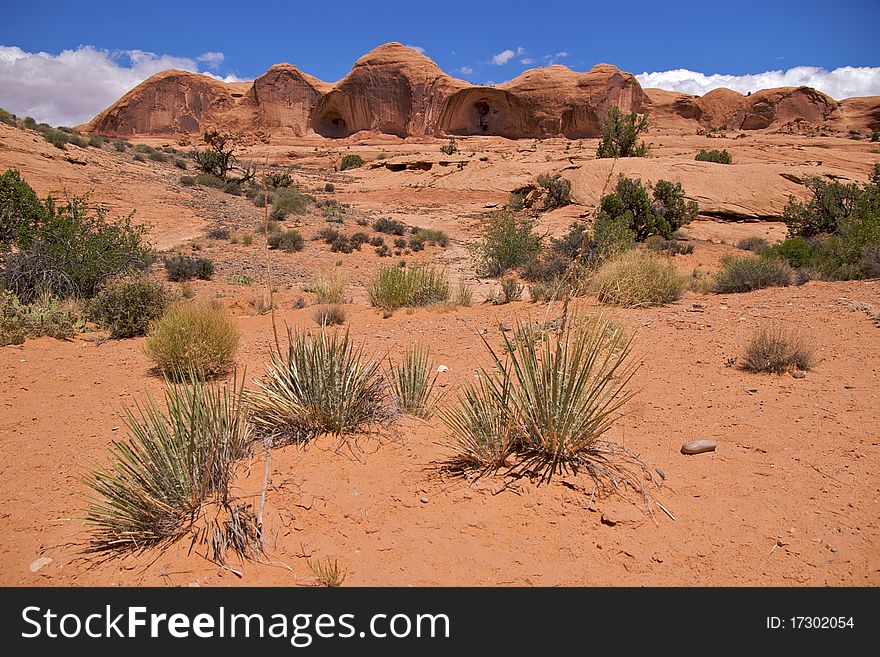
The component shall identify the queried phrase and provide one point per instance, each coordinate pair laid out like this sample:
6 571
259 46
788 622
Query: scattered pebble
423 499
798 374
442 368
698 446
37 564
751 391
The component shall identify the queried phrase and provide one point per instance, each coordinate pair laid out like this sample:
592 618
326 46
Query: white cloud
561 55
527 61
843 82
418 49
503 57
466 70
212 59
73 86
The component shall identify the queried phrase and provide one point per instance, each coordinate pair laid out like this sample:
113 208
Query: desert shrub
637 279
187 181
96 141
7 117
377 240
620 134
549 401
341 245
174 464
557 188
464 296
75 248
241 279
218 233
400 287
400 242
383 251
517 200
330 315
61 137
754 244
287 240
180 164
351 161
185 268
45 315
672 247
510 290
509 242
776 349
389 226
875 134
432 236
829 204
449 148
663 213
328 289
158 156
127 305
192 337
329 235
260 198
412 383
120 145
278 179
210 180
232 188
744 274
719 157
247 239
358 239
21 212
329 188
320 384
287 201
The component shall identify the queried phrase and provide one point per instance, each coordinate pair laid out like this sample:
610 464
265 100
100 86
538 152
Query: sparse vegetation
330 315
432 236
351 161
328 289
778 350
663 213
287 240
186 268
672 247
509 290
754 244
637 279
557 190
719 157
449 148
509 242
389 226
620 134
320 384
464 296
218 160
45 315
744 274
286 201
400 287
192 337
127 305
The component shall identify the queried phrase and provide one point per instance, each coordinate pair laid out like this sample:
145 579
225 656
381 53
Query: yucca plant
321 384
550 401
412 383
173 463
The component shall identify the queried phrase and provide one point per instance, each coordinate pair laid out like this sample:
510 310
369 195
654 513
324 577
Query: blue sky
482 42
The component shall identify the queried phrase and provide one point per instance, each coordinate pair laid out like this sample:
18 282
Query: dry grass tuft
777 349
638 279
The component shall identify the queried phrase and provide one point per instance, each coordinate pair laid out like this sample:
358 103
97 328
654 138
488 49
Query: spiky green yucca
412 383
550 401
400 287
172 463
321 384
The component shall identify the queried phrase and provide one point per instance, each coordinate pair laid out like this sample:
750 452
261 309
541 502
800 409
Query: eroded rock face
395 90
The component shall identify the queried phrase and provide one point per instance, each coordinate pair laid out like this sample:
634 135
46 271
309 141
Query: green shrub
185 268
558 190
449 148
637 279
509 242
287 200
510 290
180 164
517 200
464 296
320 384
96 141
389 226
829 204
672 247
192 337
751 273
21 213
74 249
620 134
247 239
329 188
432 236
46 315
209 180
127 305
719 157
663 214
278 179
187 181
412 383
754 244
550 402
287 240
218 233
6 117
399 287
351 161
158 156
173 464
776 349
139 158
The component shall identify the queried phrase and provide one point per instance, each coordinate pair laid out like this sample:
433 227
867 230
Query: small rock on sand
442 368
799 374
37 564
698 446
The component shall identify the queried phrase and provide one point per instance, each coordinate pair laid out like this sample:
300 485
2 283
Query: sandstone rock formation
395 90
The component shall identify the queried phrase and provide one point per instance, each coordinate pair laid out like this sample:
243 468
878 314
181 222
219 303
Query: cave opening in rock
331 124
482 108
